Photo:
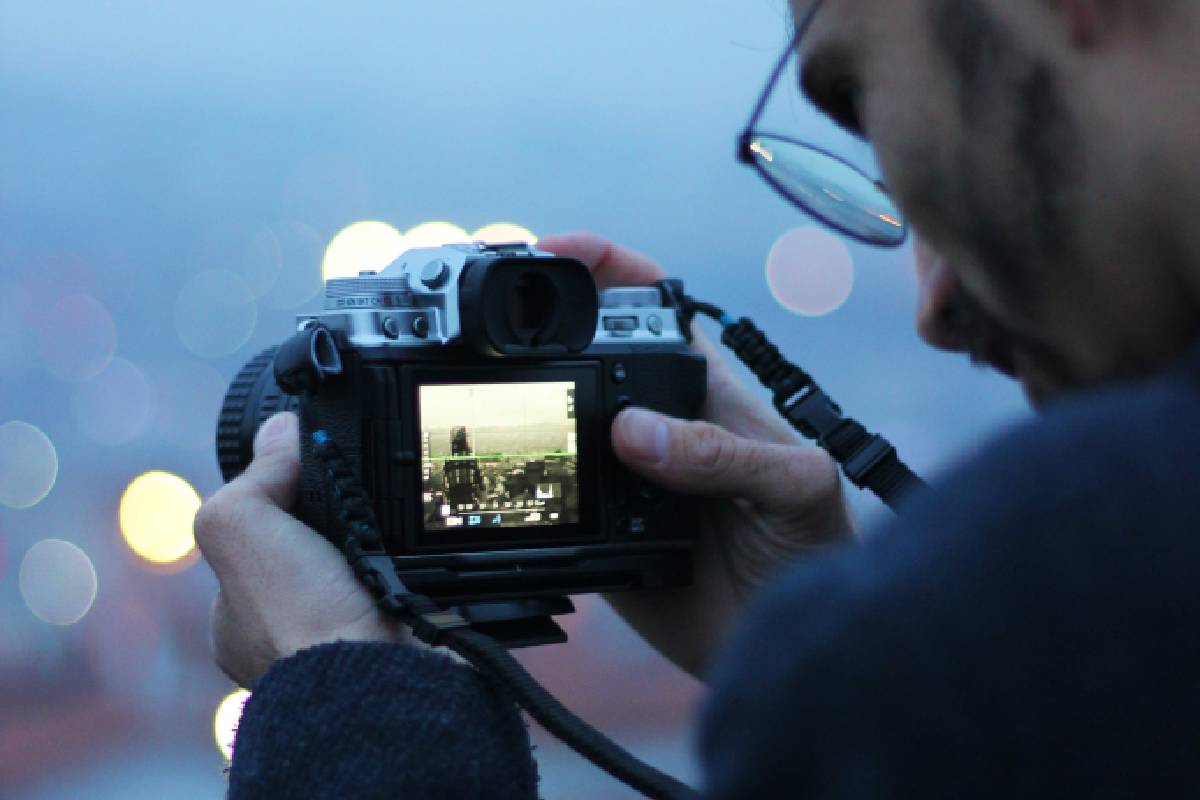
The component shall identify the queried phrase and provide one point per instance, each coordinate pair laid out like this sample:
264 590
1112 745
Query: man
1028 627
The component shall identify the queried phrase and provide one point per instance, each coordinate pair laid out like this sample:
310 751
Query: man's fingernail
646 434
272 431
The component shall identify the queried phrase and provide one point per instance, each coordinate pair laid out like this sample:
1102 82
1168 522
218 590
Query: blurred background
172 176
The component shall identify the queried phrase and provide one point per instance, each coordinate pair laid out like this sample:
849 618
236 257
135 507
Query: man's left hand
283 587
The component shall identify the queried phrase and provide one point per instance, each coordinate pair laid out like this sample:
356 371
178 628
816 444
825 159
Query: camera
472 388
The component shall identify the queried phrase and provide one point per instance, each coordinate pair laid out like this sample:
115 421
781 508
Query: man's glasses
818 182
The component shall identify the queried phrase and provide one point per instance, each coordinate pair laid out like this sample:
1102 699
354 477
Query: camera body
473 387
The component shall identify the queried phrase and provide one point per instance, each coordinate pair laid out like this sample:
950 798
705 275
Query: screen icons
499 455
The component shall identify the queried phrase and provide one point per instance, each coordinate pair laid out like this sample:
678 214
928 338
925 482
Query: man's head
1046 148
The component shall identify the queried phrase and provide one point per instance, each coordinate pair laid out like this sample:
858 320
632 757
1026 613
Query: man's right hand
767 498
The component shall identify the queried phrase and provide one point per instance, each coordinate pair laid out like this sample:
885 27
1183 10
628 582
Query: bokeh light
28 465
57 581
114 407
156 515
251 251
76 338
434 234
215 313
373 245
225 721
300 253
810 271
366 245
261 260
503 232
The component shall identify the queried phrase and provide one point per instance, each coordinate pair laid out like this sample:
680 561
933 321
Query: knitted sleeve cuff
364 720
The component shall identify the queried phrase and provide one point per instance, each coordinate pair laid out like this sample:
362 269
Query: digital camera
473 387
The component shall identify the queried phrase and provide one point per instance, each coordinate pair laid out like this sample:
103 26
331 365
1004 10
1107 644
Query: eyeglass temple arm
745 154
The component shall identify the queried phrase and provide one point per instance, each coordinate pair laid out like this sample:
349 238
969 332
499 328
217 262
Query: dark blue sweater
1031 627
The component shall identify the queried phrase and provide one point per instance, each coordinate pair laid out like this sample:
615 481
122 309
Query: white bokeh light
226 719
810 271
57 581
156 515
434 234
504 232
28 465
215 313
366 245
76 338
116 406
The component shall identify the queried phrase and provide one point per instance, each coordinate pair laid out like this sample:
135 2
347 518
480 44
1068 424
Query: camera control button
619 373
391 328
654 324
420 326
434 274
621 326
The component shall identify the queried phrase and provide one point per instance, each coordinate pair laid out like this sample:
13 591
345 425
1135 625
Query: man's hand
283 587
767 497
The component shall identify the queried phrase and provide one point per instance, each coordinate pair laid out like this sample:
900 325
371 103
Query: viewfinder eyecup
513 306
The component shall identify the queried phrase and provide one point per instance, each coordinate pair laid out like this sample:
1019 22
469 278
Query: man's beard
1041 369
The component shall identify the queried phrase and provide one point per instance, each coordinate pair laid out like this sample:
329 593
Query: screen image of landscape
499 455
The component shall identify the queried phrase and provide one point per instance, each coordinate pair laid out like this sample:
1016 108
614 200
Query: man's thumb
696 457
276 466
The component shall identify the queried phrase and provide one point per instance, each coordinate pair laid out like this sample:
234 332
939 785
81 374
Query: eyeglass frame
745 149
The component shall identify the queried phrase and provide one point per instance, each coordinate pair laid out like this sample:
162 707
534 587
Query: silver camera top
414 301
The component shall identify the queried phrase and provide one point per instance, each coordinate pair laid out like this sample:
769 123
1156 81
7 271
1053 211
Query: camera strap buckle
860 465
812 412
428 621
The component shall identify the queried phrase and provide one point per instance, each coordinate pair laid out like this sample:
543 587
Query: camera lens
533 308
252 398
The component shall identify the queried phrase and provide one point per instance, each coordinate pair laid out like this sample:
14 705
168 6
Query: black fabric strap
868 460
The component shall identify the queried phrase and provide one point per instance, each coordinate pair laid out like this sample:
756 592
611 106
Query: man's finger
611 265
729 404
275 471
702 458
254 498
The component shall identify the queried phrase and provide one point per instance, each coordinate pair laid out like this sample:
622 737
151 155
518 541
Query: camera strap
868 460
363 546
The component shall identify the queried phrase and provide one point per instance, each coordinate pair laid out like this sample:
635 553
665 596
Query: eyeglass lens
831 189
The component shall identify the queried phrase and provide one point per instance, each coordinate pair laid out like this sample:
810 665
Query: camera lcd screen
498 455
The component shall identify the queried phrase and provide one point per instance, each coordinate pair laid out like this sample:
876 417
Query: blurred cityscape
175 182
